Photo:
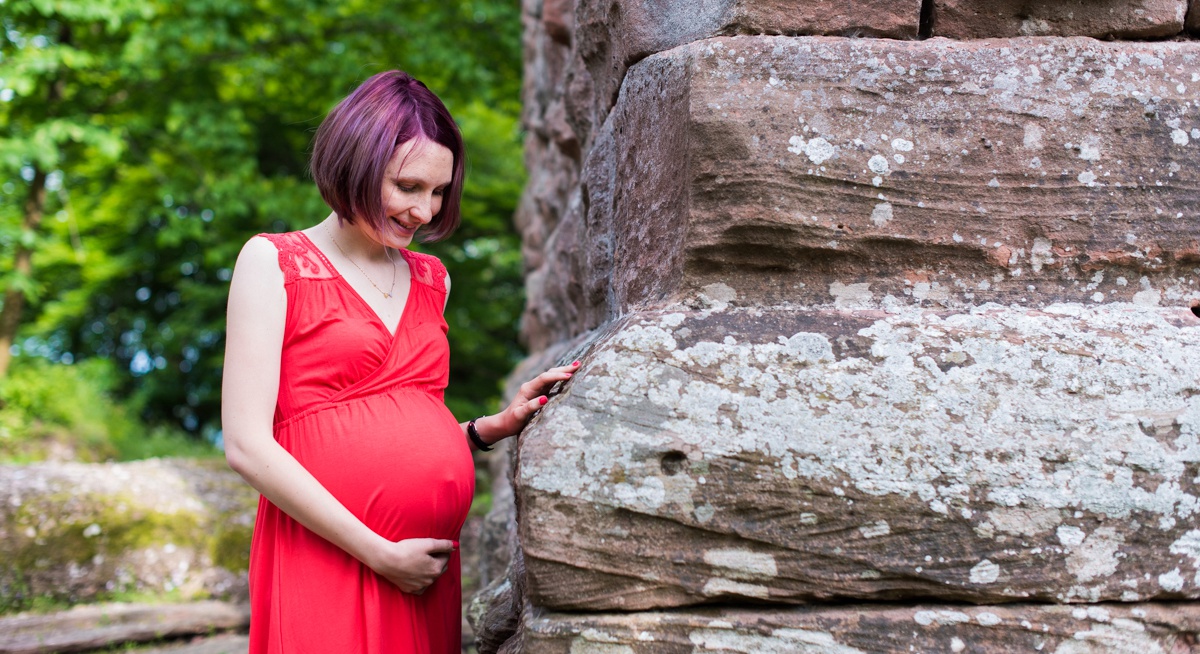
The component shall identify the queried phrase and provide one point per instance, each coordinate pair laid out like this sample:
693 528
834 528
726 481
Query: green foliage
59 411
171 132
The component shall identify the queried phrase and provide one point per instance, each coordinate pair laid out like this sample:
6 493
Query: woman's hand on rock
413 564
530 398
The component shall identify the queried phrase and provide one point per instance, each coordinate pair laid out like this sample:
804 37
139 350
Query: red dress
363 411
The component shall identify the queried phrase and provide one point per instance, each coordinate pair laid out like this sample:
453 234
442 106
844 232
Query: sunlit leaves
180 129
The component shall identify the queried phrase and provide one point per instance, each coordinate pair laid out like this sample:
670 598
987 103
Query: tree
160 136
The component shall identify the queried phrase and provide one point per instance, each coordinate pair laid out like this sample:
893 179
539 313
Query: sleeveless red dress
363 411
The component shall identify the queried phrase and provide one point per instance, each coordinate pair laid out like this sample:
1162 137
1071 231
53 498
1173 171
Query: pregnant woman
335 366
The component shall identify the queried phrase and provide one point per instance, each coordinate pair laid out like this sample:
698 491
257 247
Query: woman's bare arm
253 345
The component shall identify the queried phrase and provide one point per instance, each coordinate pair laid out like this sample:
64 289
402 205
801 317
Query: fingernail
567 374
543 399
455 544
575 364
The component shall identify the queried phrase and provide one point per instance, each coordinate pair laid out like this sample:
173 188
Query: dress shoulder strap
427 269
299 258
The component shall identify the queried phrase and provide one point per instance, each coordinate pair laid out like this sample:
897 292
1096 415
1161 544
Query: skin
414 182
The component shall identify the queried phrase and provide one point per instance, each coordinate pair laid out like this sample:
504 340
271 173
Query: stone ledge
785 455
1114 19
866 629
941 173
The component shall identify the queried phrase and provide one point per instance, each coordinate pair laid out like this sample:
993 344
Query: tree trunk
35 209
14 297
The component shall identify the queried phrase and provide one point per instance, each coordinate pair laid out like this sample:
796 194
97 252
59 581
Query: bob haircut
357 139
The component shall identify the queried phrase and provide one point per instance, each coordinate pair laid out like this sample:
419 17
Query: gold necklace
388 293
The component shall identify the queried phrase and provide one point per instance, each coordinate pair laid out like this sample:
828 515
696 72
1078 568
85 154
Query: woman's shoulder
427 269
294 253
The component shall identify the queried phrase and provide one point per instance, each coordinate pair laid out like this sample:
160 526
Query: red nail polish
575 364
543 399
455 544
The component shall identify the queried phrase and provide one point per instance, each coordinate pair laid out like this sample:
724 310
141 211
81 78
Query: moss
230 547
64 536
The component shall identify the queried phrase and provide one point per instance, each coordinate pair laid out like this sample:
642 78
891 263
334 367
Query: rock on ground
97 626
75 532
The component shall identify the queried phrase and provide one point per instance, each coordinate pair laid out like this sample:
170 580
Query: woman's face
413 186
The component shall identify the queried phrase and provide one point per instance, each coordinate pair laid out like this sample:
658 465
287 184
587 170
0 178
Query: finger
440 546
537 385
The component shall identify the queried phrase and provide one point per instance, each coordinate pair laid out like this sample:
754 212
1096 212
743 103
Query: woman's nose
422 210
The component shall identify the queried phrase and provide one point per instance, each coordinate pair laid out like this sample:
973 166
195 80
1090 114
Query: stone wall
884 307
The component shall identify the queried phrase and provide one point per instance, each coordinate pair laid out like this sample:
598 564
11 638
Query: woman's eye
406 189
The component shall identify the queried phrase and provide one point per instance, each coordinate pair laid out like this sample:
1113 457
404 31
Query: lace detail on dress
299 258
427 269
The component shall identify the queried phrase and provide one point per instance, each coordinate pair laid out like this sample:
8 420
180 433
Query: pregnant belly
398 461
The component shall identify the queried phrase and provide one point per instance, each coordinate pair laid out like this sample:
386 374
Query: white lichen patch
718 586
1070 536
944 617
582 645
875 529
881 215
1022 521
985 572
1189 545
988 619
818 150
851 295
779 641
1096 557
1114 638
1171 581
718 296
742 564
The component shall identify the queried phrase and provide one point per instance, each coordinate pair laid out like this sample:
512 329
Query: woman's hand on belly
412 564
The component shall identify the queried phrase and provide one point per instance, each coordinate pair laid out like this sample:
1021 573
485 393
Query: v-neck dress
363 411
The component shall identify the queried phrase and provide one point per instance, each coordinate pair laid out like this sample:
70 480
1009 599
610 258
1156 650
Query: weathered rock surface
1193 17
1119 19
611 35
979 256
1141 628
791 455
97 626
75 531
222 644
817 170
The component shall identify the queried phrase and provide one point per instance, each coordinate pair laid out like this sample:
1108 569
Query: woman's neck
353 242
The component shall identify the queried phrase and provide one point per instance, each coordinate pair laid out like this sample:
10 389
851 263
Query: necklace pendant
387 295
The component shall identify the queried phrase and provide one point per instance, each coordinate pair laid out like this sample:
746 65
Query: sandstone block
1193 17
864 172
76 531
714 454
1118 19
873 629
610 35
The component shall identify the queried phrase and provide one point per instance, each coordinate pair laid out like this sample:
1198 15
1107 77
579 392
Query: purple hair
356 140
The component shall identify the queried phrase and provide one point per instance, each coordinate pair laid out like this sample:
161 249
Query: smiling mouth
404 227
